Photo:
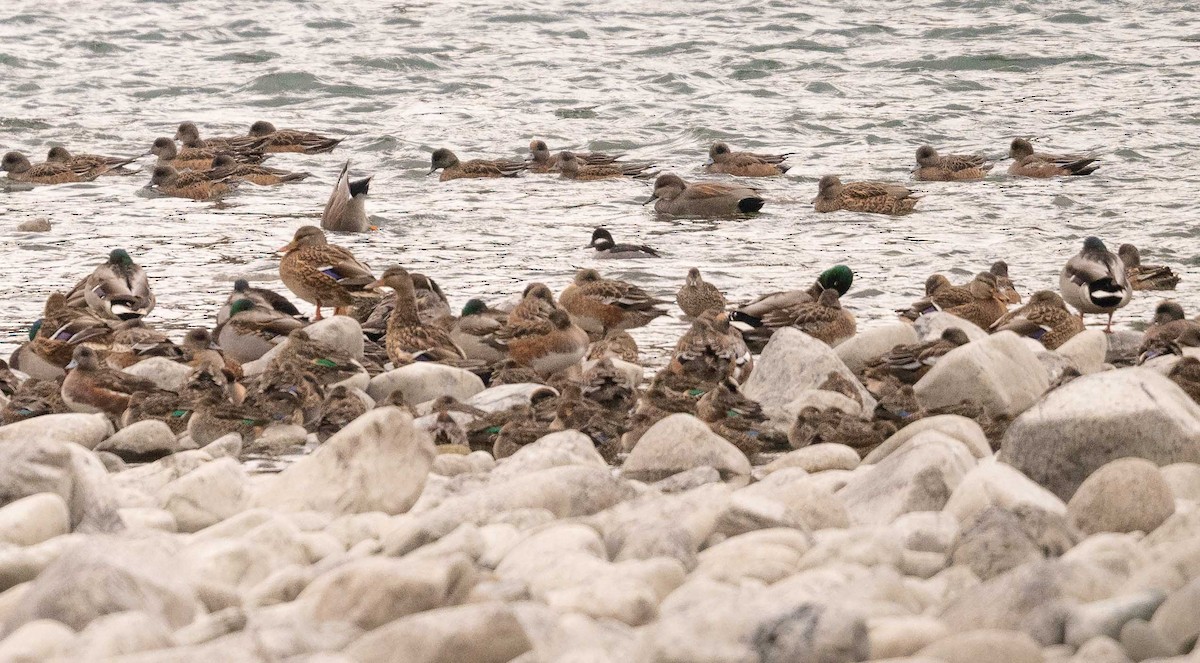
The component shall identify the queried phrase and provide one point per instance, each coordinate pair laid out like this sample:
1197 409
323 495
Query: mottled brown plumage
1145 277
406 334
744 164
196 185
51 172
452 169
935 167
1045 319
1028 163
321 273
291 140
872 197
697 295
598 304
574 168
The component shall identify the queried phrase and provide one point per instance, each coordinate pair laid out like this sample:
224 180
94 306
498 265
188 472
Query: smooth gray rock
425 381
122 633
568 447
164 373
1107 617
489 632
931 325
791 363
34 519
998 373
86 430
1086 350
207 495
141 441
994 542
1126 495
870 343
68 470
985 646
1142 641
507 396
918 477
1178 618
681 442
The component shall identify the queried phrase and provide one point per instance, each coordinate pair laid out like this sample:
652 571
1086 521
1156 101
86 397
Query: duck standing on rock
117 289
675 197
260 297
406 335
697 295
872 197
346 209
1145 277
1094 281
321 273
1044 319
598 304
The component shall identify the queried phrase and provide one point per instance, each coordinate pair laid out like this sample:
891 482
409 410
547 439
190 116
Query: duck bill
431 171
374 285
71 365
653 197
286 247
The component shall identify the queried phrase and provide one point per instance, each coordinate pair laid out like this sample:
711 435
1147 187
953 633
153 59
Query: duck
870 197
1027 163
745 164
52 172
824 319
712 350
987 304
105 165
189 135
259 297
225 167
934 167
540 335
738 419
90 387
213 416
606 247
453 169
1094 281
476 323
199 348
321 273
910 363
118 289
292 140
602 383
287 393
573 168
675 197
838 277
49 350
8 381
33 398
575 411
1171 324
940 294
196 158
1186 374
196 185
305 355
346 209
598 304
697 295
832 426
543 161
1044 319
521 429
432 307
341 406
252 330
134 340
406 335
615 343
171 408
1145 277
999 269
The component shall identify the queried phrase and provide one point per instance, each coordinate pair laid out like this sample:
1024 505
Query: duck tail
746 319
1082 167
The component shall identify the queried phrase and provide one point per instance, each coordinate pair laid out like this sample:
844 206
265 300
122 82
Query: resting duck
1145 277
606 247
225 167
824 319
575 411
675 197
259 297
1027 163
999 269
697 295
838 277
213 416
304 354
33 398
1045 319
116 289
1094 281
987 303
738 419
934 167
452 169
196 158
712 350
910 363
104 165
476 324
575 169
196 185
1169 332
522 429
342 406
604 384
291 140
543 161
90 387
721 159
252 330
871 197
940 295
616 343
321 273
1186 374
598 304
346 209
540 335
406 335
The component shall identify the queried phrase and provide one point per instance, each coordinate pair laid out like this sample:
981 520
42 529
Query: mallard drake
824 319
197 185
291 140
673 196
987 303
225 167
934 167
189 135
477 323
910 363
253 330
321 273
104 165
738 419
999 269
453 169
711 350
1045 319
1186 374
346 209
940 295
1027 163
598 304
259 297
90 387
196 158
872 197
50 348
33 398
52 172
697 295
521 429
602 241
616 343
117 289
745 164
838 277
406 335
543 161
1094 281
573 168
341 407
1145 277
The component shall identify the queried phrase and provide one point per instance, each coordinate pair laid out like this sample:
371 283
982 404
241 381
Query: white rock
931 326
39 640
1100 650
568 447
792 362
680 442
1086 350
507 396
1107 617
870 343
227 446
1125 495
164 373
1094 419
207 495
1176 619
424 381
1184 480
21 564
34 519
918 477
993 483
805 503
821 399
894 637
998 373
122 633
985 646
767 555
817 458
86 430
141 441
487 632
377 463
149 518
958 427
68 470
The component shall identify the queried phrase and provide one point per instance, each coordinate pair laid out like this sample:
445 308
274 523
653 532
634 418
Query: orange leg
1108 328
318 316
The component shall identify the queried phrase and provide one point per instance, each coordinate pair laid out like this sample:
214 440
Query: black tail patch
358 187
752 204
746 319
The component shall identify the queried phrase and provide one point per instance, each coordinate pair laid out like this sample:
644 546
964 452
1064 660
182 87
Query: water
853 87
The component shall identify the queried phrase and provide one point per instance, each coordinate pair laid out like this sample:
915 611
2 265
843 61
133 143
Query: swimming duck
189 135
452 169
259 297
1045 319
940 295
999 269
745 164
321 273
871 197
838 277
1094 281
341 407
346 209
599 304
987 303
118 288
1027 163
52 172
1145 277
90 387
615 343
292 140
673 196
197 185
697 295
225 167
477 323
33 398
540 335
934 167
252 330
104 165
602 241
543 161
196 158
406 335
910 363
712 350
574 169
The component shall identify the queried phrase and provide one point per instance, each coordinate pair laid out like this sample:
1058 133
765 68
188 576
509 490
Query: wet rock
1184 480
999 374
992 483
870 343
164 373
488 632
86 430
569 447
931 326
1086 350
34 519
38 225
985 646
122 633
680 442
377 463
1125 495
816 458
141 442
1107 617
791 363
1098 418
1178 618
958 427
919 477
207 495
39 640
425 381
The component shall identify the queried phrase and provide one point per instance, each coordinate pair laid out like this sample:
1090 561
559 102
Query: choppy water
853 87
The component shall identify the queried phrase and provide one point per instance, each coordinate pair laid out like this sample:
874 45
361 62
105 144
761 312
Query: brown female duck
453 169
598 304
934 167
1028 163
871 197
321 273
291 140
51 172
91 387
1045 319
1145 277
697 295
721 159
197 185
406 335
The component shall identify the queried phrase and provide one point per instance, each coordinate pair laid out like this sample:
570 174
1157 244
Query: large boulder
141 441
931 325
1126 495
425 381
999 373
31 520
207 495
868 344
1098 418
992 483
86 430
164 373
1086 350
681 442
68 470
918 477
985 646
791 363
379 462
